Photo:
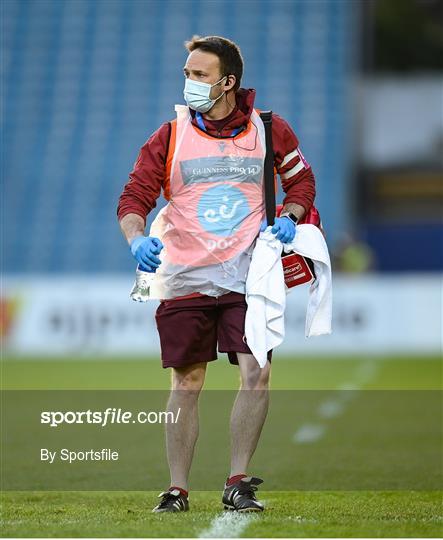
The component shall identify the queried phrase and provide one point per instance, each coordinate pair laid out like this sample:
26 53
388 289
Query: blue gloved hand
283 228
144 249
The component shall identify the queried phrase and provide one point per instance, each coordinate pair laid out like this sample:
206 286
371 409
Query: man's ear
230 82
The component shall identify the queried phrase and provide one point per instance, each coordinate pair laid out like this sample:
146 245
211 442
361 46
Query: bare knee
255 377
190 378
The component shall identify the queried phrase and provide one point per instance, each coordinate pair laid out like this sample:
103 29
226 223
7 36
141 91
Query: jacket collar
239 117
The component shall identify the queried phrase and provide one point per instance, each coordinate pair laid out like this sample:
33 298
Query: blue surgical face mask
197 94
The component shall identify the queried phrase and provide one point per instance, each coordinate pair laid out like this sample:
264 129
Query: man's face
204 67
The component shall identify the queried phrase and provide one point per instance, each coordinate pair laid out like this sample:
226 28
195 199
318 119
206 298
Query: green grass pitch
288 514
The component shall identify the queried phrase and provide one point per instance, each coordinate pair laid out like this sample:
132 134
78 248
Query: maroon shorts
190 329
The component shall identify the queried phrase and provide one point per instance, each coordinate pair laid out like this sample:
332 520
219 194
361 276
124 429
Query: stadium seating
86 82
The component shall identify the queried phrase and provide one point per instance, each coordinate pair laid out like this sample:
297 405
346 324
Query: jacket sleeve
147 177
297 178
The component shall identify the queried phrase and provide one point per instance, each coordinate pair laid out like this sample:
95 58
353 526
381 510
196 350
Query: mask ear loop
216 84
233 138
225 92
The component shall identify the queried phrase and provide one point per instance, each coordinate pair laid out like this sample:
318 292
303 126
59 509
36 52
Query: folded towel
309 242
266 297
266 290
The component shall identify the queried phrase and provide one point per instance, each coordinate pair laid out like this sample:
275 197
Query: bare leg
249 412
182 436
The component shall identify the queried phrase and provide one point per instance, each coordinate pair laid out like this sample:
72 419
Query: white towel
266 290
309 242
266 297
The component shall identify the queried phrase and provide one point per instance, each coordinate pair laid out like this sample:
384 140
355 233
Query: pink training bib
216 185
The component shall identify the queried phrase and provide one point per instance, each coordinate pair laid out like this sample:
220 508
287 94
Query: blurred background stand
85 83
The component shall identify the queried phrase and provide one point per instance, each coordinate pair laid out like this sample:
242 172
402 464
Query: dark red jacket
148 176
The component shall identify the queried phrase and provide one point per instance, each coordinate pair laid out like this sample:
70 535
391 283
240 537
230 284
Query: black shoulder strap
266 117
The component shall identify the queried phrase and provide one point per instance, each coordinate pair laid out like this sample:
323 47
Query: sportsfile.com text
109 416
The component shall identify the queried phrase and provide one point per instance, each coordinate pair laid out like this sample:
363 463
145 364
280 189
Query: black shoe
241 495
172 501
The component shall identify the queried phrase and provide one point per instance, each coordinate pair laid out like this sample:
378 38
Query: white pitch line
366 371
227 525
308 433
330 408
364 374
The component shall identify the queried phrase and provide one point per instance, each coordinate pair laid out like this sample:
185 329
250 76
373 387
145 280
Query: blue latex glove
283 228
145 250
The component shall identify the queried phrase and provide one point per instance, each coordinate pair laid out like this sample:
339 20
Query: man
209 164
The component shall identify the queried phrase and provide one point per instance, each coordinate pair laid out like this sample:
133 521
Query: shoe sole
243 510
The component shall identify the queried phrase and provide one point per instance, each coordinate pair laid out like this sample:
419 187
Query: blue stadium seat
86 82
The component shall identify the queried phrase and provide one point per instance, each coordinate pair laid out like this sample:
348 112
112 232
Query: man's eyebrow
196 71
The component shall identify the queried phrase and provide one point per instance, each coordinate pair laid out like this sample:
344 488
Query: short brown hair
228 52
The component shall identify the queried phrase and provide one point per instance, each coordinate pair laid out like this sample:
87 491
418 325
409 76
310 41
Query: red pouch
296 268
